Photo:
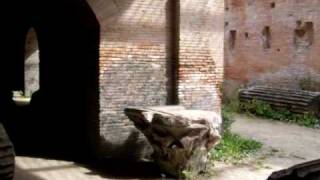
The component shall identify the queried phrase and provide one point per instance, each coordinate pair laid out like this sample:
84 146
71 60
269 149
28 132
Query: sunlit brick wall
201 53
272 43
136 63
132 68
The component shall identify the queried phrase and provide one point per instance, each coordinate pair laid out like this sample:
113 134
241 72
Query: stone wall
155 52
272 43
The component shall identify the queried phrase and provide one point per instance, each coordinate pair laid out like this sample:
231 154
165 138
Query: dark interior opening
62 118
304 35
246 35
232 39
273 5
298 23
266 37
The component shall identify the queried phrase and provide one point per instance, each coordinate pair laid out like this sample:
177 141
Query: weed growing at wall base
233 148
263 109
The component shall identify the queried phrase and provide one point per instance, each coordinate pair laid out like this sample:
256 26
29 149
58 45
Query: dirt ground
284 145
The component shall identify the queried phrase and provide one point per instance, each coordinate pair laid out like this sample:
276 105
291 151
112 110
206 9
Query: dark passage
62 118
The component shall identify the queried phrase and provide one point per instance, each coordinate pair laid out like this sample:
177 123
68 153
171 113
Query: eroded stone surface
181 138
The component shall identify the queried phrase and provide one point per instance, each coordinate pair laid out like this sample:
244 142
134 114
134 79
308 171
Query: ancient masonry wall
201 53
155 52
273 43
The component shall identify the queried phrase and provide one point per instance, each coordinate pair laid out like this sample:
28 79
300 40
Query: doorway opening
31 70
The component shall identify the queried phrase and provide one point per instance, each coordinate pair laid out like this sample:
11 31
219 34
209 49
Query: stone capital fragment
181 139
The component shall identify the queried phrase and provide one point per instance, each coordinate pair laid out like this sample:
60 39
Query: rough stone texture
273 43
181 139
136 62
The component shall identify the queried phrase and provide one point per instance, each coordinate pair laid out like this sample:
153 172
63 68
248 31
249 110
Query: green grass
234 148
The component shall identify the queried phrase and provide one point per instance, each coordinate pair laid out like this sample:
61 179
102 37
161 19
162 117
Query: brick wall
132 68
273 43
139 61
201 53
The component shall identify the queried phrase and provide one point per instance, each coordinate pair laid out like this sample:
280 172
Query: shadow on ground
21 174
35 168
123 169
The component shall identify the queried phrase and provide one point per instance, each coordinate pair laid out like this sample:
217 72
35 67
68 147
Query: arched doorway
22 97
31 66
62 117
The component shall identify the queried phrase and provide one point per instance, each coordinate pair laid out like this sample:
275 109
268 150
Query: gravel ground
284 145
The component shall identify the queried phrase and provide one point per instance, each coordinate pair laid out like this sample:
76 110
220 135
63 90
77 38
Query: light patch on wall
155 66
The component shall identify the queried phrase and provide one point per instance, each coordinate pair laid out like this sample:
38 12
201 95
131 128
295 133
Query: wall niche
304 35
266 37
232 39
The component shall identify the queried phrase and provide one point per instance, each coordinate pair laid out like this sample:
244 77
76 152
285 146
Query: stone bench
296 101
181 139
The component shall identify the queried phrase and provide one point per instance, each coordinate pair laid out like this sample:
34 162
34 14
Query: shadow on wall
109 11
62 118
